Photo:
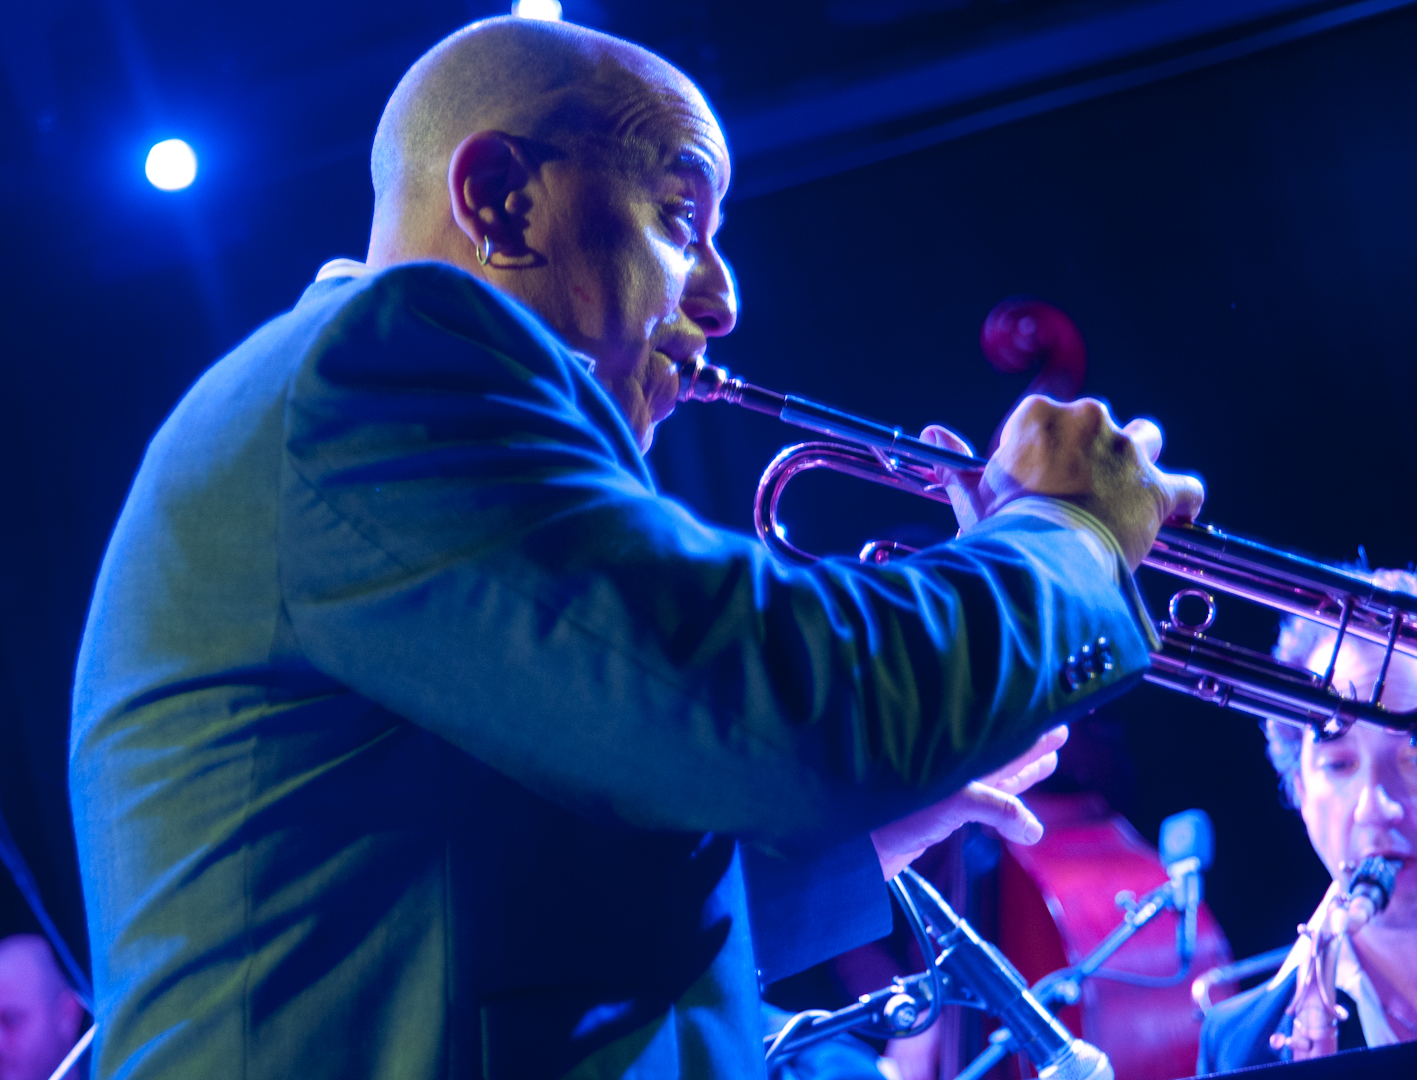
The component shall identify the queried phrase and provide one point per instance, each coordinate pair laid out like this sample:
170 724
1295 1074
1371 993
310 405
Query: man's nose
1376 806
711 294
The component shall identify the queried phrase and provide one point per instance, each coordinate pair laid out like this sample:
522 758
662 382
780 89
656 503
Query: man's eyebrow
696 164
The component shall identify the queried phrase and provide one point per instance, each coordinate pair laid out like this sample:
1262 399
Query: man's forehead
1359 736
708 164
655 110
672 138
653 159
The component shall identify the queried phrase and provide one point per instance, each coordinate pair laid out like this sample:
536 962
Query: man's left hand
990 800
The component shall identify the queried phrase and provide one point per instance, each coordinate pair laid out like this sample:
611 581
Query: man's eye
684 218
1336 765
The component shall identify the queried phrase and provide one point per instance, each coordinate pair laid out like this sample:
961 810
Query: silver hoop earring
484 251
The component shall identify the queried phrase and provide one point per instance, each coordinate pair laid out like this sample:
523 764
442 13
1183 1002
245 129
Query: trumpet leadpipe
703 381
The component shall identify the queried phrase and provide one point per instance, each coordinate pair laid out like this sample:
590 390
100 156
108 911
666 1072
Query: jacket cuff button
1104 658
1088 662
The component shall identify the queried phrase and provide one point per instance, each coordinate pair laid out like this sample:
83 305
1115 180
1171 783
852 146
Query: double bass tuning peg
1021 334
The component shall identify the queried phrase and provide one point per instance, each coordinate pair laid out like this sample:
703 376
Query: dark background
1237 242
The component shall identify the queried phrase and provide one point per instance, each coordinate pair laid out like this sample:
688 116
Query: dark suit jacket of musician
1235 1033
413 732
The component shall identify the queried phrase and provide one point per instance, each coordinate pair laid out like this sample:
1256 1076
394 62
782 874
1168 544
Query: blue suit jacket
1235 1033
413 731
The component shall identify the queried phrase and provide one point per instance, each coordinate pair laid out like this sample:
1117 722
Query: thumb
1182 495
943 437
1147 435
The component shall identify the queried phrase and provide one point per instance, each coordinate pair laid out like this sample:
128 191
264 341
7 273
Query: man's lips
1405 860
678 358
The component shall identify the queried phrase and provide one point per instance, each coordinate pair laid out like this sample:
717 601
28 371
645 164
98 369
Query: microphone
1370 889
975 967
1187 850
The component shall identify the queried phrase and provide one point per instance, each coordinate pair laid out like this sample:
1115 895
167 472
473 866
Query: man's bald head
557 88
27 959
575 173
39 1015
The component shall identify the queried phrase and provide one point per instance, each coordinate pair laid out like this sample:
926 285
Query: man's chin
660 403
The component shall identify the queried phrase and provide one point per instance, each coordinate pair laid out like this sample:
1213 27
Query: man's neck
1389 956
396 239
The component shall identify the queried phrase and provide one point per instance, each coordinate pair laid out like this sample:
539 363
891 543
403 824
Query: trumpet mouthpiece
701 381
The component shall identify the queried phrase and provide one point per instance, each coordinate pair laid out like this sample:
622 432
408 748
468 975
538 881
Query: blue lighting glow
171 165
545 10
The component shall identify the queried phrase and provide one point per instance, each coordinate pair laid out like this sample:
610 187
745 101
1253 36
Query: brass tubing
1188 661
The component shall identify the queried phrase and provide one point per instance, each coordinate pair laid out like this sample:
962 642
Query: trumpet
1190 660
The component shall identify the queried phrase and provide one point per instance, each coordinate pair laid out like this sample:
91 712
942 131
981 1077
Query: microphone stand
977 975
906 1007
1064 986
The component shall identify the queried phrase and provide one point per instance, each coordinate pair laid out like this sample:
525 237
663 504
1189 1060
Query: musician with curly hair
1343 984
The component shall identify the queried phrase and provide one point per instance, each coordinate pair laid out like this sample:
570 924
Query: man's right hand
1076 451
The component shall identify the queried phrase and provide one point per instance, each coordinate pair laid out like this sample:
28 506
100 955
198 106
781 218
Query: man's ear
487 179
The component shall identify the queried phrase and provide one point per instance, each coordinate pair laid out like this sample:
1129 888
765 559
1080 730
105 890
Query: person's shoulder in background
1235 1033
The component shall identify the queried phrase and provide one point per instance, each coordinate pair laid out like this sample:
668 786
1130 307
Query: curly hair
1284 746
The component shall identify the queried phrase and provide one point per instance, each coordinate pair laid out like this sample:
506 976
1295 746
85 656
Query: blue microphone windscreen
1185 834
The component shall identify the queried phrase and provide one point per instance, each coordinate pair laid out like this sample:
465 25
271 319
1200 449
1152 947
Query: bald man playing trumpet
414 733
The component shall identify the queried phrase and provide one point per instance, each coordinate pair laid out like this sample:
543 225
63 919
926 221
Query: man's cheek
666 278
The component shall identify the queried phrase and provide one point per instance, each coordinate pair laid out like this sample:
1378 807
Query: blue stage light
546 10
171 165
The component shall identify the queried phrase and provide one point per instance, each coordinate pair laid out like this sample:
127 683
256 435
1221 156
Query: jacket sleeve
468 538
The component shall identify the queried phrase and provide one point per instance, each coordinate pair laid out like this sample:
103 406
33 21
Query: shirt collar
342 268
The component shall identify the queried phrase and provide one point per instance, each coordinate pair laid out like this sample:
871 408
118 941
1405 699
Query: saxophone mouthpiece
1370 888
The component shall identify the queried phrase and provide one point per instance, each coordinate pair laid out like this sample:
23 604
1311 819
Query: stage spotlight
546 10
171 165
